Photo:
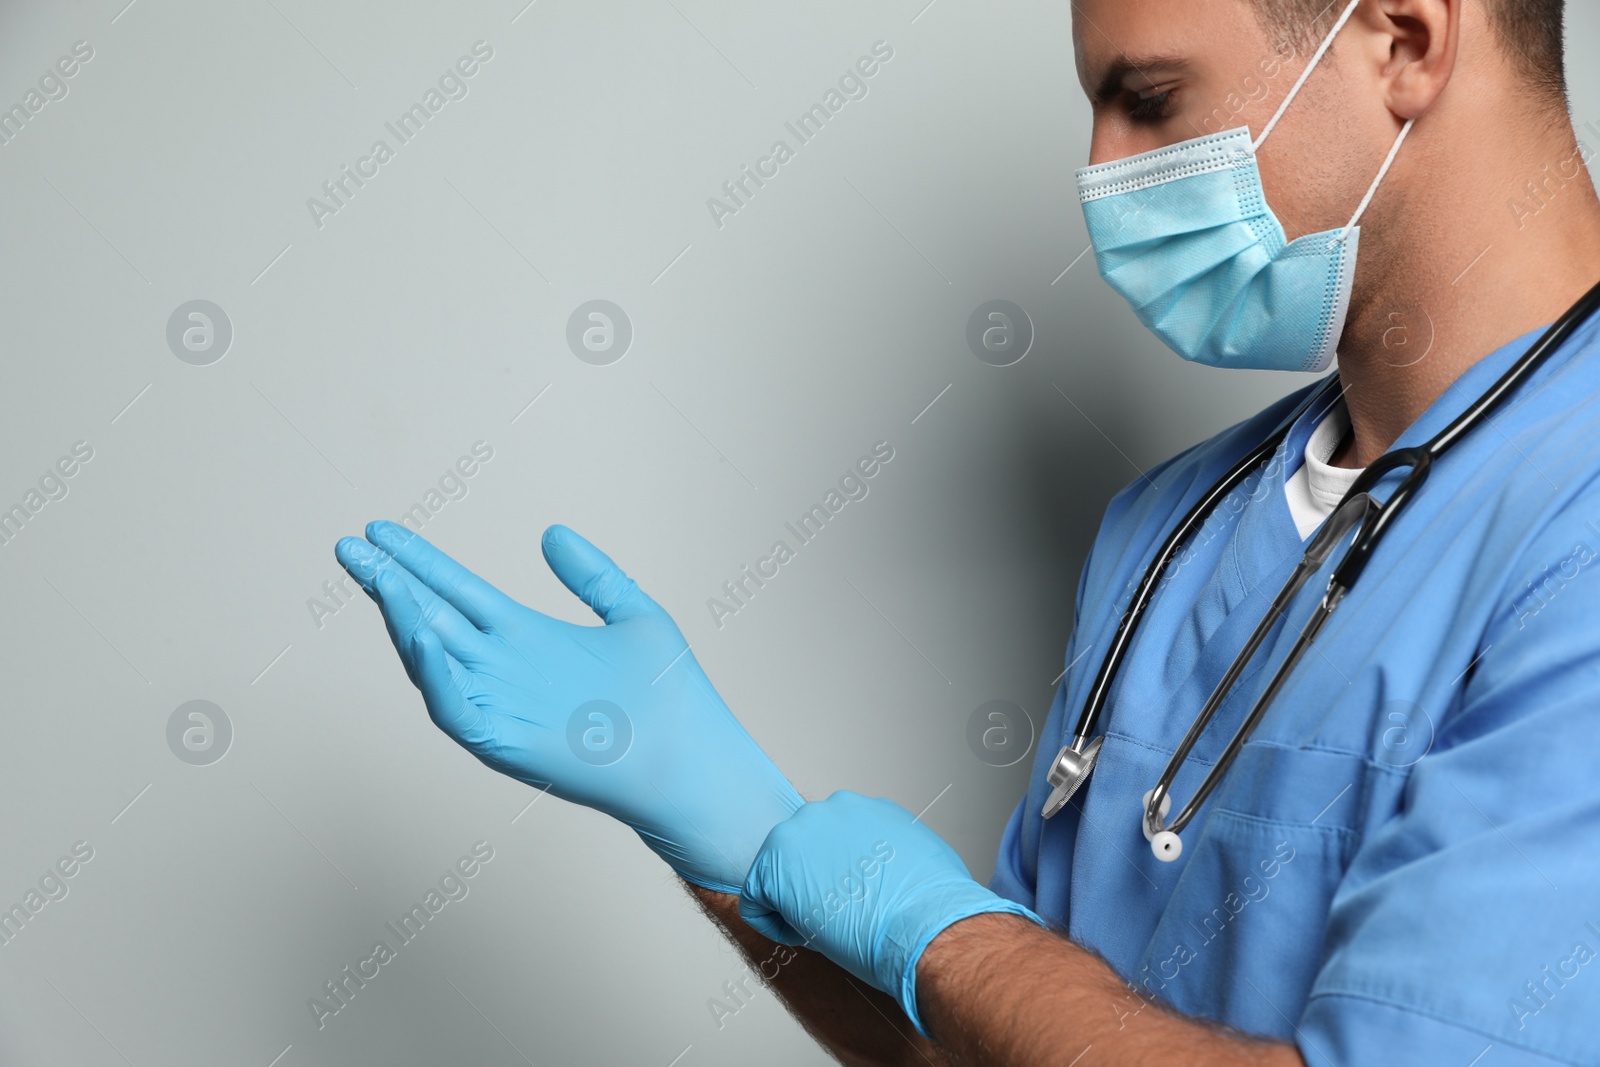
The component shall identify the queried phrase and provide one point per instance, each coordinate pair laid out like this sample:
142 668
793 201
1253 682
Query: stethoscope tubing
1203 508
1359 510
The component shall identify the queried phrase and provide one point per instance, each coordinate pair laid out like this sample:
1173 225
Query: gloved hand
617 717
863 882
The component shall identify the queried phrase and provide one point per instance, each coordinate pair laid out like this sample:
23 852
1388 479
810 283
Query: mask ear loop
1394 150
1327 43
1372 190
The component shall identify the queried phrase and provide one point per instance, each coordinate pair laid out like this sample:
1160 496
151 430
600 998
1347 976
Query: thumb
593 578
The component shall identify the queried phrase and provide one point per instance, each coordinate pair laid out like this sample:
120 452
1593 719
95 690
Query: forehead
1196 33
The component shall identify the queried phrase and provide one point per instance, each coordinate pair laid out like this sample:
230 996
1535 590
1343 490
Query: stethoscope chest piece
1069 771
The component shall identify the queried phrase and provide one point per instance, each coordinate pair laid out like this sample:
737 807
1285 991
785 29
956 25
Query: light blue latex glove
516 689
865 883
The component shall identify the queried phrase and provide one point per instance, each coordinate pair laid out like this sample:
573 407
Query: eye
1152 108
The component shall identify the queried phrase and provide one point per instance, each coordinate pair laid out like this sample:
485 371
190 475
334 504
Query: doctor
1402 864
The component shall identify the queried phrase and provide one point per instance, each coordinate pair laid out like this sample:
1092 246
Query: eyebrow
1114 82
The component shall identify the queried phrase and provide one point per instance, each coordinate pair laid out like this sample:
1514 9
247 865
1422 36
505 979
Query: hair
1530 32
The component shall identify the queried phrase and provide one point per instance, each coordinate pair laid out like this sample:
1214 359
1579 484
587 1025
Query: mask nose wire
1327 43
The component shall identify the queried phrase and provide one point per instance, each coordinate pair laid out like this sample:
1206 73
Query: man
1402 863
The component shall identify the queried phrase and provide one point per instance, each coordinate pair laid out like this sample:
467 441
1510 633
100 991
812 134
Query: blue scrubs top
1403 865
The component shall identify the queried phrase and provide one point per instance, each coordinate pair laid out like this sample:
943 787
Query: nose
1111 140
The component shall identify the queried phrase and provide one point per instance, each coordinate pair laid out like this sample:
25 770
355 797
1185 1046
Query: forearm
999 991
860 1026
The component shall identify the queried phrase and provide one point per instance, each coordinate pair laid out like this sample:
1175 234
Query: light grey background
369 353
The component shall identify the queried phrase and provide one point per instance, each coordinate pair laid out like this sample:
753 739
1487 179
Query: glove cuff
977 900
725 839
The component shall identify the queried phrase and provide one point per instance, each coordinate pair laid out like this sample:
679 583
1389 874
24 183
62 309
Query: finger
443 683
360 560
407 611
402 615
593 578
461 638
762 917
475 598
758 898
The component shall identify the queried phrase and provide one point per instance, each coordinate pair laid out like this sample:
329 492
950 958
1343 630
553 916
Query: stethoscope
1358 511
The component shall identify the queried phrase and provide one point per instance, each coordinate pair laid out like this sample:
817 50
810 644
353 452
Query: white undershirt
1316 488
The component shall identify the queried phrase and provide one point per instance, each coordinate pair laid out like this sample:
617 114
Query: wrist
724 831
970 911
979 944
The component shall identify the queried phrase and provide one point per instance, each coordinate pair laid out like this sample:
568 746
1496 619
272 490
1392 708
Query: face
1158 72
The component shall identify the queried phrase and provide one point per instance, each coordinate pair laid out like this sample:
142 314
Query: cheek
1321 156
1297 194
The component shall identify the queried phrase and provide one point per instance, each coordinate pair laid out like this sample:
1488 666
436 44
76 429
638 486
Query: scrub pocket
1240 940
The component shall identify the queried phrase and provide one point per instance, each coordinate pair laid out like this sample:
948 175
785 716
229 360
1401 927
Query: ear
1423 38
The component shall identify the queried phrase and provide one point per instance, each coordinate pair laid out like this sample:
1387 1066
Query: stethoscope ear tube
1074 763
1376 517
1349 515
1192 520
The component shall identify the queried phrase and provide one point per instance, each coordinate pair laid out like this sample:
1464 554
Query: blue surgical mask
1184 233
